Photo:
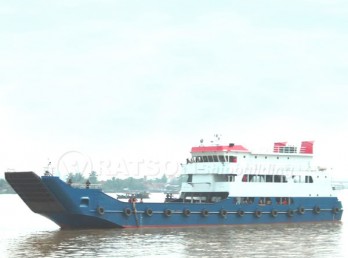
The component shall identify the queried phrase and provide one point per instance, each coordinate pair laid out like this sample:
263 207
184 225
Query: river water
24 233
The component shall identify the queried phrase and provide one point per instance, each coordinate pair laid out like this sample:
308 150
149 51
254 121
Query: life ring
167 212
301 210
149 212
274 213
240 213
223 212
187 212
204 213
335 210
290 213
316 209
258 214
127 211
100 210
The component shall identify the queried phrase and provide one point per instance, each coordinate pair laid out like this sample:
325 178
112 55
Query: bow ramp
33 192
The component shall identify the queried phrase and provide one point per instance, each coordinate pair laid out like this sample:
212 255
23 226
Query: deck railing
339 185
85 186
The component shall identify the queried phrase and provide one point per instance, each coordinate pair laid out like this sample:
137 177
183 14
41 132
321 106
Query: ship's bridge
217 153
232 158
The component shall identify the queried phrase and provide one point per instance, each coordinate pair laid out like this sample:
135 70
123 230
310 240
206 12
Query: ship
222 185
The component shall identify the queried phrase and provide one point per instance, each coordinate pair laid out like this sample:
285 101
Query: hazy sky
143 81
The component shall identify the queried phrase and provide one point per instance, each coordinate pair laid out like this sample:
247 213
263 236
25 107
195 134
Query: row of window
264 178
194 197
198 197
276 178
264 200
258 178
213 158
219 158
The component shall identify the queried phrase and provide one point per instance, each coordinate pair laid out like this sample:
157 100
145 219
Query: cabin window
257 178
198 197
250 177
309 179
269 178
264 178
189 178
280 179
210 158
215 158
305 179
232 159
205 159
277 179
222 158
231 178
288 149
225 178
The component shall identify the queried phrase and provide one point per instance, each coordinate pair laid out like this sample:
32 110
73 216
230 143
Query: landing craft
225 185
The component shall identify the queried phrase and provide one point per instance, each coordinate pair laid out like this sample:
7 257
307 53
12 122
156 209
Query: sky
131 86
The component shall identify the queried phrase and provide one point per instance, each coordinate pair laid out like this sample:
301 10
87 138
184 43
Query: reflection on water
284 240
23 232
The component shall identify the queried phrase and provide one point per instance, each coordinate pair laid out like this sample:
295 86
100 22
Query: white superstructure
216 172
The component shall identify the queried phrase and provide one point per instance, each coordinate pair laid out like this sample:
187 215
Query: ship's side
225 185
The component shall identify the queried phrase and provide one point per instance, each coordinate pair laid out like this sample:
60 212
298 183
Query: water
23 233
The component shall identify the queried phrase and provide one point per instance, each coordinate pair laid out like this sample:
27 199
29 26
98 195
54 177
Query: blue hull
91 208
